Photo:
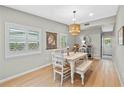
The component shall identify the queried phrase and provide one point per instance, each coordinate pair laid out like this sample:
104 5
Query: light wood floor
103 74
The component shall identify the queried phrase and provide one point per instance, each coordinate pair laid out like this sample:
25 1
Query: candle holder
75 49
67 51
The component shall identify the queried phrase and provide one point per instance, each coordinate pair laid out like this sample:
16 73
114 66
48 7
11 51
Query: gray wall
118 52
94 34
12 66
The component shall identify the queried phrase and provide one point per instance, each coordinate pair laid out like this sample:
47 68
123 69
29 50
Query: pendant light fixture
74 28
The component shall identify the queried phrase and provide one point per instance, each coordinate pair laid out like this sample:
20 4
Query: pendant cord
74 16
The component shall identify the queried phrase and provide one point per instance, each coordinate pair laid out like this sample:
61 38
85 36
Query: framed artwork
63 40
51 40
121 36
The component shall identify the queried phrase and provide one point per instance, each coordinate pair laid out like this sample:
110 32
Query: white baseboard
118 74
23 73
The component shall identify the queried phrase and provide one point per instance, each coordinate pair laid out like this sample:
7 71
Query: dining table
72 58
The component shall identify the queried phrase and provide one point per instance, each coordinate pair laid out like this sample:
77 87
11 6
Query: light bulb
91 14
74 19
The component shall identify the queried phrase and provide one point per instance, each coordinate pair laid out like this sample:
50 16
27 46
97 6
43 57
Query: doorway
107 45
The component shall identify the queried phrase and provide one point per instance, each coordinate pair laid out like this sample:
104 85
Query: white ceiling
63 13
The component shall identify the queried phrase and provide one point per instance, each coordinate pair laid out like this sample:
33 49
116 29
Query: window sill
21 55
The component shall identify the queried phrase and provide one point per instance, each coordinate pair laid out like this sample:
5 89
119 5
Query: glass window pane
16 46
32 46
33 36
33 40
63 41
17 40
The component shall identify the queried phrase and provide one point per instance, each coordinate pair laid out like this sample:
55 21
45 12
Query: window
63 40
107 41
17 40
33 40
22 40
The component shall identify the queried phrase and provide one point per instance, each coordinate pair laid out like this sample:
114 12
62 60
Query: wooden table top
73 56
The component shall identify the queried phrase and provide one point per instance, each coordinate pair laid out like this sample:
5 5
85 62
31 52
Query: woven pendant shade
74 29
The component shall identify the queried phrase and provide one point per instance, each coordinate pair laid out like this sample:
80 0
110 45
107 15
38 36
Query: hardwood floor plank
102 74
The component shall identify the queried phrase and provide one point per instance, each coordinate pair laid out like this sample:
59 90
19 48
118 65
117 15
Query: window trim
8 53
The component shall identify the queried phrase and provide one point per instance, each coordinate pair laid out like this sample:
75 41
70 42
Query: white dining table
72 58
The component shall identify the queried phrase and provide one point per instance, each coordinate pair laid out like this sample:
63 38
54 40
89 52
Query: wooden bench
82 68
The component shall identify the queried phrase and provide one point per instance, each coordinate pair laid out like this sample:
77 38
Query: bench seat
82 68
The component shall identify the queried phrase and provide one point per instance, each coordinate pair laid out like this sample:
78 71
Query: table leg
72 72
82 77
86 57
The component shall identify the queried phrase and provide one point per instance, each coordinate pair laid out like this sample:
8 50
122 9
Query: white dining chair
60 66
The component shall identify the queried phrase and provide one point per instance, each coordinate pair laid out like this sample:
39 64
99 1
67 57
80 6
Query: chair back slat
59 59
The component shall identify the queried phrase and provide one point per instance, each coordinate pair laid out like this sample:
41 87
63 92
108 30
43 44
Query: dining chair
60 66
83 49
57 51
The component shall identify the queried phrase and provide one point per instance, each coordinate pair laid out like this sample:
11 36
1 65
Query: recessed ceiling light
91 14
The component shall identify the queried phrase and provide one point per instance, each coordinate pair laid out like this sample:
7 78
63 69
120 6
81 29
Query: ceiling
64 13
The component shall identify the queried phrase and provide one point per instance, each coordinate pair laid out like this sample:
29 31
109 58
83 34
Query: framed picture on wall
121 36
51 40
